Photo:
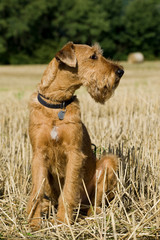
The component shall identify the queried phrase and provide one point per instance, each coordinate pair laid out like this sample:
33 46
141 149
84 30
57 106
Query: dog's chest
58 162
64 139
54 133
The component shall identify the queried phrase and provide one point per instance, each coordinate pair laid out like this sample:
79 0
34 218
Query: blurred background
32 31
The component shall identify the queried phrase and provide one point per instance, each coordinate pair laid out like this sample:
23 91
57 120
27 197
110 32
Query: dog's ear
67 55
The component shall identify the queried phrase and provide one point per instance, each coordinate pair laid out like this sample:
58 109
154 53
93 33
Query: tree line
32 31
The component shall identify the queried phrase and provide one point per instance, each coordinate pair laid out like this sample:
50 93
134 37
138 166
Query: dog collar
62 105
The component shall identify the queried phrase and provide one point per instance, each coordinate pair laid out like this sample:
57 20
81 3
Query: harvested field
127 125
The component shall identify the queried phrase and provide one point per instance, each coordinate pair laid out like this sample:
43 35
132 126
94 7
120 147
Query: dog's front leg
39 173
70 194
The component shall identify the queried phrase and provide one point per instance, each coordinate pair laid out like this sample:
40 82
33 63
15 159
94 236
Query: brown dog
62 156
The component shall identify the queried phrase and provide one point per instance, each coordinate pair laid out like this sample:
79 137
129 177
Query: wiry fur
62 154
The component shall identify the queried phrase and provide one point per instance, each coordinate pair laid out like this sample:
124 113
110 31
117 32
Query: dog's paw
35 224
91 211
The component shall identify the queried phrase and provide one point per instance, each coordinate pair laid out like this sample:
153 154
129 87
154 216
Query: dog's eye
94 56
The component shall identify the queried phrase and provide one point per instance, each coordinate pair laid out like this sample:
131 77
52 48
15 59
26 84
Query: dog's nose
120 72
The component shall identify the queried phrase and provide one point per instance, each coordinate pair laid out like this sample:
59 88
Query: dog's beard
100 95
101 90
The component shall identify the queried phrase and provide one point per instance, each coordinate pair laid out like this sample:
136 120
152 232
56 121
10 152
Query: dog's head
78 65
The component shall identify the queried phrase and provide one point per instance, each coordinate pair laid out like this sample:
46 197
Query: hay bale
136 57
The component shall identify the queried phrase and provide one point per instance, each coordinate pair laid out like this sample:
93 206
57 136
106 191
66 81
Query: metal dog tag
61 115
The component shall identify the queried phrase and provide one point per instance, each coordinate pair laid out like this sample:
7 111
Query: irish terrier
63 161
